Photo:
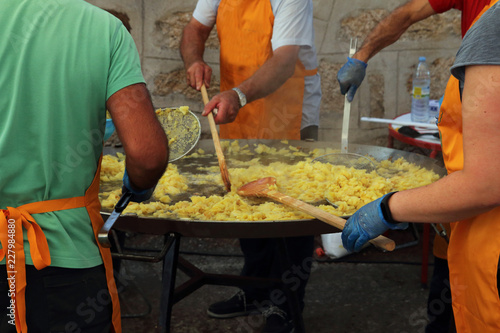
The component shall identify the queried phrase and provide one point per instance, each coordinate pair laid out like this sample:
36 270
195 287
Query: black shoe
277 321
238 305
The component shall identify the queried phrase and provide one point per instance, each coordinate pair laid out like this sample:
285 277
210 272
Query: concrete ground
370 291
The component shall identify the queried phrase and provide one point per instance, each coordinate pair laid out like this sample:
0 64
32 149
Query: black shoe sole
287 330
232 314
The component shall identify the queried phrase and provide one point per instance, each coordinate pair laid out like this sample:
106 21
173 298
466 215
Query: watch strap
384 206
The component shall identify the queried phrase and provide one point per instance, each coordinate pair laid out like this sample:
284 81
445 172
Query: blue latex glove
350 77
137 196
367 223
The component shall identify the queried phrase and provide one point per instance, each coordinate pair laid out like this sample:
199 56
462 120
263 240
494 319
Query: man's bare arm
144 140
272 74
476 188
192 48
266 80
393 26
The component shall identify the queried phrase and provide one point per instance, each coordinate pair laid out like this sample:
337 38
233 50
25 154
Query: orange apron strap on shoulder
492 2
310 72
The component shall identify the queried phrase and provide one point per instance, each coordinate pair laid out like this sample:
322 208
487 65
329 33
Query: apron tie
12 223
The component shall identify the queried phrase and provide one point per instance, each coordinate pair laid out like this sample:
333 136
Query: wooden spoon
215 137
261 188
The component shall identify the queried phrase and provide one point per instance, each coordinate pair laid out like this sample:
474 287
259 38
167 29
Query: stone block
323 9
157 28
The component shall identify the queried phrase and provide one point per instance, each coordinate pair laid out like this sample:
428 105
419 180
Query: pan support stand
171 294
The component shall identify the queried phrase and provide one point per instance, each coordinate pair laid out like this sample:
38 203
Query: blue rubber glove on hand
367 223
350 77
137 196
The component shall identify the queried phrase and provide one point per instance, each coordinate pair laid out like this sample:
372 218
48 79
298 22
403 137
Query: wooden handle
215 137
211 121
380 242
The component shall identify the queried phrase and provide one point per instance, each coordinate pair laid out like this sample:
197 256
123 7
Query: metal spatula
344 157
347 106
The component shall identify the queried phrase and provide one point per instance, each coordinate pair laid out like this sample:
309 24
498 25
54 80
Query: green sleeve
125 65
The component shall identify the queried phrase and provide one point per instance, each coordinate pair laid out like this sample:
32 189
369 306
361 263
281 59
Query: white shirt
293 25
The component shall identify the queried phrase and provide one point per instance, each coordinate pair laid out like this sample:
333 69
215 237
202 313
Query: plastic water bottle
433 110
420 92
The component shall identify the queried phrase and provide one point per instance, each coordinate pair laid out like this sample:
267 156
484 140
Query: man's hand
197 74
137 195
367 223
227 104
350 77
192 48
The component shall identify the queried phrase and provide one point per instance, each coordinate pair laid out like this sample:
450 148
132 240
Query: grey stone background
157 26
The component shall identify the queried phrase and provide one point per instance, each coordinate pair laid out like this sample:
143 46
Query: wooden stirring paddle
215 137
261 188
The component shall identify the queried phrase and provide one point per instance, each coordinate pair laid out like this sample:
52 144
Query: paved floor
371 291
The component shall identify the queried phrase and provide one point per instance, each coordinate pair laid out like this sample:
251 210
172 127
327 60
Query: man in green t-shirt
64 63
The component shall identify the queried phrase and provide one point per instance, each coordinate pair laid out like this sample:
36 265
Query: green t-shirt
61 60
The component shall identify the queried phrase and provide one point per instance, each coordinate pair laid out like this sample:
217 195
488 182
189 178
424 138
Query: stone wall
156 26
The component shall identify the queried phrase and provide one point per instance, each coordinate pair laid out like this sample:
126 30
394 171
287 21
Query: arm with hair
388 31
266 80
144 140
385 33
192 48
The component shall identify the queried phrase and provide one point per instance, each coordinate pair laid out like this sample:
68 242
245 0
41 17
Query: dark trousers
262 260
439 308
61 300
309 133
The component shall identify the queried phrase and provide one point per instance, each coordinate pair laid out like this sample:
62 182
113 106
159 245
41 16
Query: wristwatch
384 206
241 96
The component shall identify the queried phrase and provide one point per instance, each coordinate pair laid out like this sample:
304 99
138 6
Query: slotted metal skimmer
183 130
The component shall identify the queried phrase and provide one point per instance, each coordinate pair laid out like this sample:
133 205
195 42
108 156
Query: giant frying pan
253 229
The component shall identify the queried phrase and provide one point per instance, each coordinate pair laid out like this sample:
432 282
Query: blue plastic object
110 129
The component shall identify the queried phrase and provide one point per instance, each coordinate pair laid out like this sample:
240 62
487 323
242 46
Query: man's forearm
453 198
272 74
392 27
193 43
144 140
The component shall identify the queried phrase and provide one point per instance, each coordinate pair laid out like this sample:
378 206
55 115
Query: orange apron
450 128
474 250
12 222
440 245
451 141
245 29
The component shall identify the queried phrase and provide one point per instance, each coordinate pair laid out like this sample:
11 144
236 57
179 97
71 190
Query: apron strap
310 72
12 222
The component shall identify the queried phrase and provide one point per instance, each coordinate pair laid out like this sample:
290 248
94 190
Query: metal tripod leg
414 231
291 295
168 281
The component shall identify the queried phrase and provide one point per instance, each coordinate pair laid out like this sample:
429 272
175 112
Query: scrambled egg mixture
309 181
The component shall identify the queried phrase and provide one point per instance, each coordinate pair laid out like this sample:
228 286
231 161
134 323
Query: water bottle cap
421 59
